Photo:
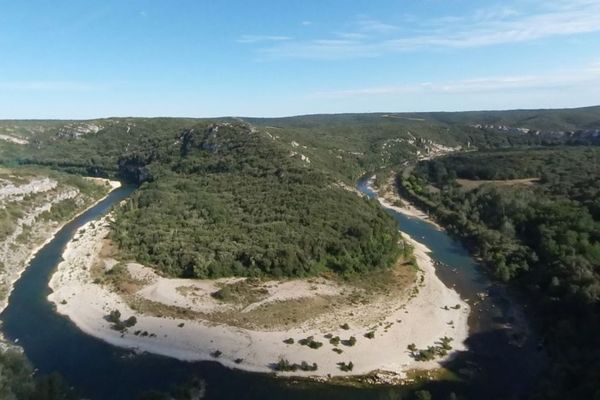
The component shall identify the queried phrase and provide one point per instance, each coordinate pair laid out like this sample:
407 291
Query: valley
245 243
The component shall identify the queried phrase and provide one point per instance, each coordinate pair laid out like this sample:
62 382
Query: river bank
17 254
494 367
388 197
426 313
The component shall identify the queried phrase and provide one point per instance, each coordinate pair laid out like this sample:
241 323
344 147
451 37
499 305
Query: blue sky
84 59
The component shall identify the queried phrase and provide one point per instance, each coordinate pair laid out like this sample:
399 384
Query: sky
100 58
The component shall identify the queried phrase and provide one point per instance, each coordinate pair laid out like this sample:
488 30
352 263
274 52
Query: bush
285 366
350 342
114 316
346 367
129 322
310 342
304 366
426 355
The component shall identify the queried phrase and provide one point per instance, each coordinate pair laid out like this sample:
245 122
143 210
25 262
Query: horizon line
307 114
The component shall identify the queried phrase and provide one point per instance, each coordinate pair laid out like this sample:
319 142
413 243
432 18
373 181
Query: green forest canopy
543 238
231 202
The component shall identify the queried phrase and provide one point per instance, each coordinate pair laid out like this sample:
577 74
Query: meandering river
500 361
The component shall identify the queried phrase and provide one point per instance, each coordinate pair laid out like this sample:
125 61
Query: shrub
350 342
445 343
305 341
310 342
223 294
346 367
285 366
426 355
114 316
129 322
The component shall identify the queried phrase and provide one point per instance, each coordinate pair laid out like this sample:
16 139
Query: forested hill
351 143
222 198
232 201
346 145
533 217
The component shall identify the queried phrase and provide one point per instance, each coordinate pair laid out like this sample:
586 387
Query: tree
422 395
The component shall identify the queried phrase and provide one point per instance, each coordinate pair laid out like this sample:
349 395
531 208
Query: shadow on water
503 359
100 371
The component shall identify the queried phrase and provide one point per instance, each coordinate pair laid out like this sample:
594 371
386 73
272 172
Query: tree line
543 238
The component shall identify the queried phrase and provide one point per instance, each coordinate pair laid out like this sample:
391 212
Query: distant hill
343 144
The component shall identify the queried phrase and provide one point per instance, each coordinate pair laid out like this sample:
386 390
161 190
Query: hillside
353 143
345 145
34 204
225 200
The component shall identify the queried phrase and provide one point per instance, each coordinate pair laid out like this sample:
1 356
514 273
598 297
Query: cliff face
33 207
134 170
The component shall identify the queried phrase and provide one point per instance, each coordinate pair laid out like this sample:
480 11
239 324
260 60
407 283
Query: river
99 371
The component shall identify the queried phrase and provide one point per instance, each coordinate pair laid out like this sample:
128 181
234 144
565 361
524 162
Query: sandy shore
422 319
49 233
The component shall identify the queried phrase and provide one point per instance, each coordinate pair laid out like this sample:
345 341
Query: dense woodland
232 203
543 237
221 198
